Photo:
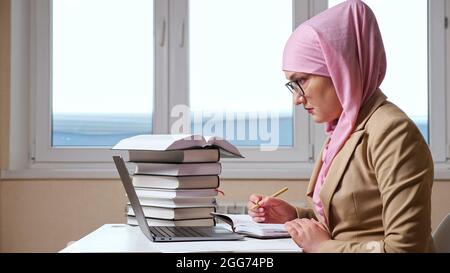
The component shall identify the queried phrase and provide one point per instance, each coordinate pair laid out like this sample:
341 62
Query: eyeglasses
295 88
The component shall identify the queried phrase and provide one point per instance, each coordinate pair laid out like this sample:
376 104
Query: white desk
124 238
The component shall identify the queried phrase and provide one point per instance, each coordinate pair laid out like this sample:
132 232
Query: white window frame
31 155
438 89
441 58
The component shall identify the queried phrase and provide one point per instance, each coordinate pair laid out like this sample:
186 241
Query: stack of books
176 177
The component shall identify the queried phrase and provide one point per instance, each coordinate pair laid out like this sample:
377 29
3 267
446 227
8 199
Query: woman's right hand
271 210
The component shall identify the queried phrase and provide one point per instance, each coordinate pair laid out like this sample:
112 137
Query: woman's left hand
308 234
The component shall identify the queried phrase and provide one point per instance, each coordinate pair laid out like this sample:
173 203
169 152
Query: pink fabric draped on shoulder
344 43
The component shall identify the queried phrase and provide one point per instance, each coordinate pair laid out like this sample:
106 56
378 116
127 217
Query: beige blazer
377 194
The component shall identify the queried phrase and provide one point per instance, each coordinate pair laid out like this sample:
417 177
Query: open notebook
244 224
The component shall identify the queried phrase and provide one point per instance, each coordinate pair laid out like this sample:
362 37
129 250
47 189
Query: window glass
102 71
236 80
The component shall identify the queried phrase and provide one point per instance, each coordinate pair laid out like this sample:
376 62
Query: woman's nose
299 99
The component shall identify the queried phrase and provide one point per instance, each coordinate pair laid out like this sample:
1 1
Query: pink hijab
344 43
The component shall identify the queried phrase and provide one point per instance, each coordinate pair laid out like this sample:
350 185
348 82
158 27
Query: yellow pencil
273 195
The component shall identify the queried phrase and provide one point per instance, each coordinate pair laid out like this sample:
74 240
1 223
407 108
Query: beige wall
5 49
44 215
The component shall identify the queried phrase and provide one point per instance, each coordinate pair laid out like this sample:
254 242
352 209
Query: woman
370 190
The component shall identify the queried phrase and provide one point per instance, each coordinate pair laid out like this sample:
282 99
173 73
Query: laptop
166 233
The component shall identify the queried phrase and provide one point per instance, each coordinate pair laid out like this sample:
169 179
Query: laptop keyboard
163 231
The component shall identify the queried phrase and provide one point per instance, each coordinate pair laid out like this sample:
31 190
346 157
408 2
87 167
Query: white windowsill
257 171
253 171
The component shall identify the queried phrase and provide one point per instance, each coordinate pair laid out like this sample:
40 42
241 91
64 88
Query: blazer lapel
337 169
342 159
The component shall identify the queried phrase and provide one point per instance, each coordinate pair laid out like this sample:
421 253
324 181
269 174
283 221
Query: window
78 80
405 37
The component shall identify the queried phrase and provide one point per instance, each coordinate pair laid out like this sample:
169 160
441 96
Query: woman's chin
317 119
320 119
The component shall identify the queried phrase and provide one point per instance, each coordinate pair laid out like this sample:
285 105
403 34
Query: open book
177 142
244 224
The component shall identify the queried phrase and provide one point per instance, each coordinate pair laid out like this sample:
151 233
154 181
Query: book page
240 219
226 148
161 142
245 224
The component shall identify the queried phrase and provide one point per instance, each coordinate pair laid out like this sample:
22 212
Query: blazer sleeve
305 213
403 167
